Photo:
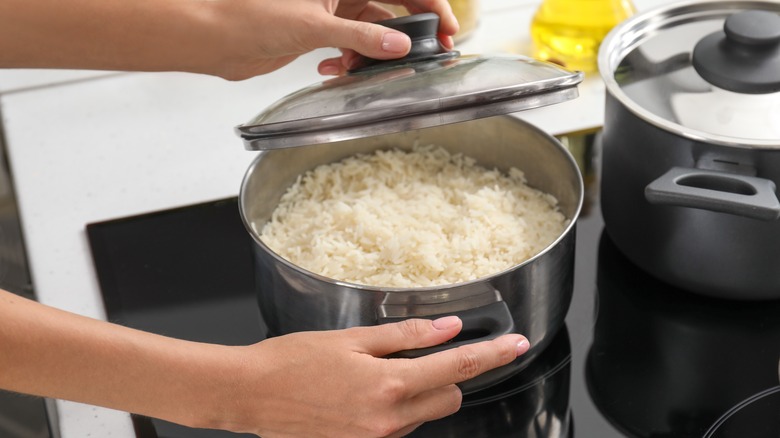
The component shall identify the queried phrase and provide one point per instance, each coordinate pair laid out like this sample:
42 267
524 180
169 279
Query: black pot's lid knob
745 56
422 30
753 28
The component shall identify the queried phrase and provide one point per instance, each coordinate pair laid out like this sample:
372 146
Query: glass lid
706 70
429 87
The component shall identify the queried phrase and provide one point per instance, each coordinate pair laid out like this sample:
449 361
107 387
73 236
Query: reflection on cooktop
533 403
756 417
670 362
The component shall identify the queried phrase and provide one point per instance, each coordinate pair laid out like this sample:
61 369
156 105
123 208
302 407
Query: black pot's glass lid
706 70
429 87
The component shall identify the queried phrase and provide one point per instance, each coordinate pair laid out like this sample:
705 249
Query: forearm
326 383
146 35
233 39
49 352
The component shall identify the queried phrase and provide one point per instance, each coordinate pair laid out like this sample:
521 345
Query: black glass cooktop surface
636 358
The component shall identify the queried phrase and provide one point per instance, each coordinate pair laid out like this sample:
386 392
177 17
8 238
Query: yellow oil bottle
569 32
467 13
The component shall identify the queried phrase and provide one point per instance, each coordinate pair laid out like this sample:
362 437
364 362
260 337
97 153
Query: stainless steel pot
531 298
691 145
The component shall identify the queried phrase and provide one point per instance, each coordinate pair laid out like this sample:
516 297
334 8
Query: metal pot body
531 298
699 215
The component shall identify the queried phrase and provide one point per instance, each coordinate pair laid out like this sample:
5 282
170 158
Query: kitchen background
82 147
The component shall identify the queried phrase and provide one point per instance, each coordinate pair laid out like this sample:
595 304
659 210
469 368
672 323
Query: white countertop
90 146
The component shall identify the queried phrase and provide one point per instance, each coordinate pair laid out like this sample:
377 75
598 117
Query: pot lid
429 87
709 71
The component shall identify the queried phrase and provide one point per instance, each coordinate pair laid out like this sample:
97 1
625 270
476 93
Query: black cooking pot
691 145
669 364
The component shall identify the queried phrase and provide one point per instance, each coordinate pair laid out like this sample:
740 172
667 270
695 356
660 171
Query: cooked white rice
411 219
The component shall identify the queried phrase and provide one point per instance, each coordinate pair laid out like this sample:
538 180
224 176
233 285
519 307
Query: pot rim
384 289
628 35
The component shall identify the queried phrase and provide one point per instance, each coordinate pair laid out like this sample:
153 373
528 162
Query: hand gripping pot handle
479 324
723 192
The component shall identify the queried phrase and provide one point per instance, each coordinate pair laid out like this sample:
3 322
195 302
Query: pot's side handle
741 195
479 324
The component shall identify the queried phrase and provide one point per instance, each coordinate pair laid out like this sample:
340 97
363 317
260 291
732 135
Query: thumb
368 39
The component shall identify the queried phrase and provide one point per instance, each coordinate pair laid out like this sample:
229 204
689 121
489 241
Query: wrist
220 384
196 386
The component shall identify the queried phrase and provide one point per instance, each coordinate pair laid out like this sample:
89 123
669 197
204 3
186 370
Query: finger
405 431
339 66
463 363
448 24
409 334
447 41
331 67
433 405
368 39
428 406
373 12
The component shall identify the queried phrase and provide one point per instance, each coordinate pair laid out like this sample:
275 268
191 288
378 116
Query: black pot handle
741 195
422 30
479 324
745 56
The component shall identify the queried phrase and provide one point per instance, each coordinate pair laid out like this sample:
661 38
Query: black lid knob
422 30
745 56
754 28
417 26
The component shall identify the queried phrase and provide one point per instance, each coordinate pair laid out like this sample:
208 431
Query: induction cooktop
636 357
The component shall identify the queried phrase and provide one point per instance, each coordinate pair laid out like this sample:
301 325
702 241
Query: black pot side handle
479 324
740 195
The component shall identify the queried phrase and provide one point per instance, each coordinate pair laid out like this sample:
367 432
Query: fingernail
445 322
329 70
523 346
395 42
446 40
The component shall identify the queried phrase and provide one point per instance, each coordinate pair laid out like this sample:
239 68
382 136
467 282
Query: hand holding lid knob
429 87
745 56
422 30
